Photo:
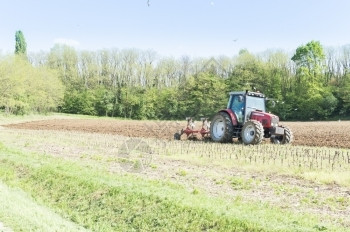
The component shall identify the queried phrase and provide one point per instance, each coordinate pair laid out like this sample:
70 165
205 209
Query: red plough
190 131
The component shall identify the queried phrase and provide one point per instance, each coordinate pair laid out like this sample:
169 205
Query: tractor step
237 132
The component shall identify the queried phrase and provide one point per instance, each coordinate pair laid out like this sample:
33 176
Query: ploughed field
328 134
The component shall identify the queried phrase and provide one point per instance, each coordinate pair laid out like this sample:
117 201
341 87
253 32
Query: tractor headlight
274 121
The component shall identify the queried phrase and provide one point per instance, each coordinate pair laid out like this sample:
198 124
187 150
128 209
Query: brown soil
329 134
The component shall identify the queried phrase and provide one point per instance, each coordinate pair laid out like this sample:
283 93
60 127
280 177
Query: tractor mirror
240 98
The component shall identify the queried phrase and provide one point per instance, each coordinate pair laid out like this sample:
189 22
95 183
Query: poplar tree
21 45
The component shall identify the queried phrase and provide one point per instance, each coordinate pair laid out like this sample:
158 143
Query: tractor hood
267 120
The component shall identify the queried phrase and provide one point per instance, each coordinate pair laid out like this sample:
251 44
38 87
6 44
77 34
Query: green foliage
27 89
202 95
79 102
311 56
247 68
314 99
21 45
167 103
64 59
344 95
103 101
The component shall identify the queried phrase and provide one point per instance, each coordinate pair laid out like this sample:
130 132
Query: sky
197 28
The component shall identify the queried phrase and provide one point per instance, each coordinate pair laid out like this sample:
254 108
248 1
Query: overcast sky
175 27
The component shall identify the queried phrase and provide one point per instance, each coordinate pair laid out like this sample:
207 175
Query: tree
64 59
25 88
310 60
251 72
344 95
313 97
202 96
21 45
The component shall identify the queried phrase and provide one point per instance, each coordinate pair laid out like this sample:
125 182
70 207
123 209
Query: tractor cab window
253 104
237 106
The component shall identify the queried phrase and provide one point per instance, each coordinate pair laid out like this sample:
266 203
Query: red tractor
246 119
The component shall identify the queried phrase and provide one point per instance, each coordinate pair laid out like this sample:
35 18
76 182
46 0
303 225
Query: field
72 174
327 134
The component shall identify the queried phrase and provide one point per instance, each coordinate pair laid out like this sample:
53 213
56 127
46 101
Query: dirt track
330 134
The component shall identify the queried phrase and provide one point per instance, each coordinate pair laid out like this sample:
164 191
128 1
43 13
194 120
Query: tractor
246 118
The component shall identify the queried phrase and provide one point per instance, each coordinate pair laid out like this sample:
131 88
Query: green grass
22 213
182 172
101 201
240 183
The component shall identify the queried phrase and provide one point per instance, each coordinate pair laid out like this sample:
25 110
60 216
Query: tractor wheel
252 132
221 128
285 139
177 136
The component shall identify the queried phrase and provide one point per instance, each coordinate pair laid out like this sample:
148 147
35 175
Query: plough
192 133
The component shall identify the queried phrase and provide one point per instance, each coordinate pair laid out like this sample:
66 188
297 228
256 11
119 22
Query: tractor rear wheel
221 128
285 139
252 132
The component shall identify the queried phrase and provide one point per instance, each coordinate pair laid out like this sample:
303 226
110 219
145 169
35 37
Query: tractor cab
243 103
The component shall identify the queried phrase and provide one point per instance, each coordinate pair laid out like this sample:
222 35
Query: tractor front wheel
221 128
252 132
285 139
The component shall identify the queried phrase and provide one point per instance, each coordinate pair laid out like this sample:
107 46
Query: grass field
72 180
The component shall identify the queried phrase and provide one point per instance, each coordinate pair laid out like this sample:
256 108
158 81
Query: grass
16 204
98 200
240 183
328 177
182 172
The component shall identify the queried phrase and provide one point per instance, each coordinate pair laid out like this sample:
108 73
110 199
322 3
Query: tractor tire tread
288 136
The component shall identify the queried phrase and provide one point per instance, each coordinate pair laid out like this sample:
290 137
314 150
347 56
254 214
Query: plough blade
192 133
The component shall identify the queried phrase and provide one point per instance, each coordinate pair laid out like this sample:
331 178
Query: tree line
312 83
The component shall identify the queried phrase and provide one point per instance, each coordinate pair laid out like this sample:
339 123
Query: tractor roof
237 93
253 94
